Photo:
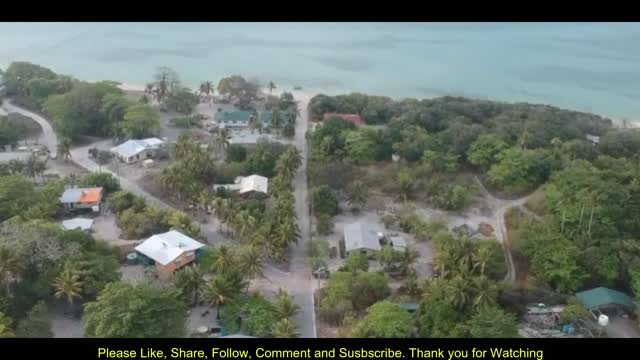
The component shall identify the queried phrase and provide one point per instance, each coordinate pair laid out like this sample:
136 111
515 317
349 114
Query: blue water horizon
591 67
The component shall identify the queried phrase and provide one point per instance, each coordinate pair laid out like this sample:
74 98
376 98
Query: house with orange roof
82 198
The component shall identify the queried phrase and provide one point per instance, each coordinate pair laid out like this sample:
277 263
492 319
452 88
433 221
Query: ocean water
583 66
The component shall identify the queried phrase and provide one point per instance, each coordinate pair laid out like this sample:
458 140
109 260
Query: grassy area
536 203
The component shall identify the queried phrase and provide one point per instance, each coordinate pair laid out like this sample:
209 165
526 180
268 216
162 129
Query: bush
325 224
236 153
185 122
122 200
324 201
318 249
357 261
227 173
104 180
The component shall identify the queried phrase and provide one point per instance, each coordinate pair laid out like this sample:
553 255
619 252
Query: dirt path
502 207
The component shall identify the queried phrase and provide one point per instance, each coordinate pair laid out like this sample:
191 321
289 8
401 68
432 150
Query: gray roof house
360 237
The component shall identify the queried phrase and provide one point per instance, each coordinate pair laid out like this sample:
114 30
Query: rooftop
594 298
360 236
77 223
247 184
6 156
226 117
81 195
133 147
166 247
266 116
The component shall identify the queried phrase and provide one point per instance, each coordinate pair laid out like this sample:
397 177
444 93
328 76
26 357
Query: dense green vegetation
124 310
515 145
80 108
588 236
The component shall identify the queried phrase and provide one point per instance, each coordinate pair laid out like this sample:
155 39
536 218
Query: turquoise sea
592 67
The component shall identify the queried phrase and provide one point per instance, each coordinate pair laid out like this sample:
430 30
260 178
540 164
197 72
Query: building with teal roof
232 119
603 299
267 116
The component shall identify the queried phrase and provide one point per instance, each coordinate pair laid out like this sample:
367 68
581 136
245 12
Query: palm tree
284 306
406 259
276 120
223 139
34 167
357 195
251 263
64 148
5 327
457 289
289 162
204 200
464 251
223 259
411 283
188 281
68 285
284 329
217 292
206 88
144 99
271 85
218 210
244 222
524 140
485 291
481 258
10 267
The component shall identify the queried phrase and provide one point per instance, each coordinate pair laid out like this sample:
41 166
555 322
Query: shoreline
306 95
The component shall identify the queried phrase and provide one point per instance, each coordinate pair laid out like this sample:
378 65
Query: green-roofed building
603 299
410 307
267 116
233 119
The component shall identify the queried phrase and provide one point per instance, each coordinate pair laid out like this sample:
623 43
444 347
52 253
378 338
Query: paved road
297 280
49 138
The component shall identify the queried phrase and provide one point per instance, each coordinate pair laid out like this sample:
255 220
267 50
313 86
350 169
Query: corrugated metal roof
359 236
77 223
166 247
594 298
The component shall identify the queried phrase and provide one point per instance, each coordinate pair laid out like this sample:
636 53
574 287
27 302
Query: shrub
104 180
325 201
122 200
236 153
325 224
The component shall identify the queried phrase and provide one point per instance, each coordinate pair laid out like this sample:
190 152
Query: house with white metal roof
134 150
247 185
361 237
169 251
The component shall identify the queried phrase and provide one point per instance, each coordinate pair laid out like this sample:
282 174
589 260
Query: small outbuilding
245 185
82 198
605 300
78 224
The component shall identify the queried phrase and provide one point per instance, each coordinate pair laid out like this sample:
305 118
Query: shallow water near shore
583 66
